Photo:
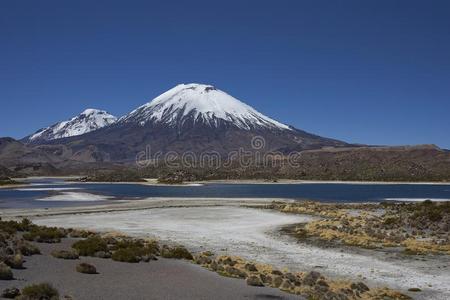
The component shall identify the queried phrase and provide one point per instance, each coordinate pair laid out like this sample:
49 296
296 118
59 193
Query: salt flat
253 234
75 196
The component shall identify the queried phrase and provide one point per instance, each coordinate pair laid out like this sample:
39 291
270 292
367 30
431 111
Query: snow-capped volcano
189 118
200 103
89 120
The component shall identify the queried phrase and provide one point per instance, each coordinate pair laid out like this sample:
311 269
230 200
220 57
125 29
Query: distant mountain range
188 117
198 118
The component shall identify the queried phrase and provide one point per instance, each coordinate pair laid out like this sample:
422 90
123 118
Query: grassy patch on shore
8 181
42 234
39 291
65 254
419 228
90 246
176 252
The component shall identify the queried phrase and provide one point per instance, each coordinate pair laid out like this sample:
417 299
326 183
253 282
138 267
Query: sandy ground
162 279
253 234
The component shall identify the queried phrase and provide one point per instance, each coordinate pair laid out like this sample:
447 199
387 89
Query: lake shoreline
351 263
154 181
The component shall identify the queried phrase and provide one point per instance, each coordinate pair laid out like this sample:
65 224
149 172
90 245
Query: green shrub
5 272
10 293
12 227
65 254
9 227
15 261
176 252
391 221
39 291
26 225
130 255
28 249
79 233
133 251
140 246
432 211
90 246
408 251
86 268
43 234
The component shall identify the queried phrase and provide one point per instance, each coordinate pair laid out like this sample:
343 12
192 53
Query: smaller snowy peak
200 102
89 120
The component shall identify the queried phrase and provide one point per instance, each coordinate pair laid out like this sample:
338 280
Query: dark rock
277 272
235 272
359 286
228 261
102 254
149 257
86 268
292 278
254 281
251 267
9 251
322 286
333 296
311 278
203 260
346 291
286 285
277 281
11 293
267 279
214 265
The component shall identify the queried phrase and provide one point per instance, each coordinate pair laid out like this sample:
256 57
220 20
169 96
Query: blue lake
328 192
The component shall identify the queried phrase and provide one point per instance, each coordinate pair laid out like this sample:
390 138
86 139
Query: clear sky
375 71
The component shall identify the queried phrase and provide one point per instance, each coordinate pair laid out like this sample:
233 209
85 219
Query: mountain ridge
199 119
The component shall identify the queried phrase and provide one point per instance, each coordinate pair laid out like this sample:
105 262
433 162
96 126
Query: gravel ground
162 279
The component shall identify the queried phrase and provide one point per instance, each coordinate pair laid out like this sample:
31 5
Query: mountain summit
200 104
89 120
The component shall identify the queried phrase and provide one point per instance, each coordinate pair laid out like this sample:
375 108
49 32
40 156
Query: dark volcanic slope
411 163
19 157
122 142
408 163
6 173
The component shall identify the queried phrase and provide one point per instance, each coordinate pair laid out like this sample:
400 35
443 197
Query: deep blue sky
374 72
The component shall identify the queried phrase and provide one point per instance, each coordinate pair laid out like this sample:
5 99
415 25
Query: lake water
55 193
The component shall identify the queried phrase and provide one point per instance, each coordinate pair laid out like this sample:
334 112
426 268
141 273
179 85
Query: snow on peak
91 111
89 120
202 102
